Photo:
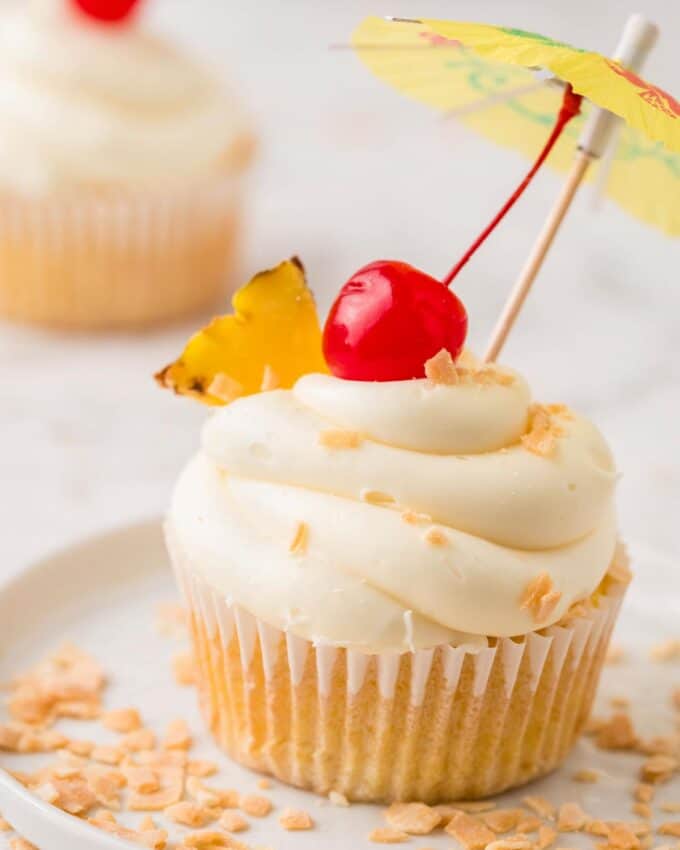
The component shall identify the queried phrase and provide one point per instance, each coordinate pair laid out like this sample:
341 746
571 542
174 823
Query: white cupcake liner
93 259
433 725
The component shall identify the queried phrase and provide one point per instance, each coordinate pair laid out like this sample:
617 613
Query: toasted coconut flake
224 388
47 792
671 808
210 839
377 497
143 779
670 828
414 818
25 779
270 380
63 684
540 806
441 369
155 839
541 436
586 775
78 709
667 650
65 771
21 844
188 814
530 823
107 754
571 818
448 810
41 742
5 826
617 733
387 835
622 837
264 784
73 795
644 792
184 669
619 570
503 820
201 768
546 837
295 819
509 844
106 787
28 705
435 537
140 739
9 739
207 796
122 720
170 792
255 805
233 821
643 810
162 758
469 831
298 545
337 438
658 769
414 518
666 745
80 748
177 735
540 598
675 699
597 827
338 799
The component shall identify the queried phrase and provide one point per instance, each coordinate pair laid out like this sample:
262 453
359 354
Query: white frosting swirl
87 104
369 579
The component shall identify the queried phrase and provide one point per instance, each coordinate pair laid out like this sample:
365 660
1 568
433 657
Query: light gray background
350 172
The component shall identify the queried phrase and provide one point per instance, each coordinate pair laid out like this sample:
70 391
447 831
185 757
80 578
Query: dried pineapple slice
272 338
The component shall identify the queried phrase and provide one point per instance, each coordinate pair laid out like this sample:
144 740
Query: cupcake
121 171
401 588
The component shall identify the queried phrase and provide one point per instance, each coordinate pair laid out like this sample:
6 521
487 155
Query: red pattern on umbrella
652 95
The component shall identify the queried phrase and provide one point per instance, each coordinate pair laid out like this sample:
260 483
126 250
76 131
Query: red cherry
107 11
388 319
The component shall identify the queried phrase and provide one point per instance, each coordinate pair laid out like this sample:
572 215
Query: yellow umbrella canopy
486 77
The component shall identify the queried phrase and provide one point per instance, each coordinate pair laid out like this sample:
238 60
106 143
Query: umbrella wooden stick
637 40
533 264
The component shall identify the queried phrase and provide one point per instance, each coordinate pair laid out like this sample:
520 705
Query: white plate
102 595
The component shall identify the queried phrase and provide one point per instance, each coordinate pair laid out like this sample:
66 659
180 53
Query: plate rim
66 823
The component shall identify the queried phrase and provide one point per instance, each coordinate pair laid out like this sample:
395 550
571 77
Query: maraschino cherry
388 319
107 11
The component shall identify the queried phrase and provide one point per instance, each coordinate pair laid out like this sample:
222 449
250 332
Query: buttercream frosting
426 529
87 104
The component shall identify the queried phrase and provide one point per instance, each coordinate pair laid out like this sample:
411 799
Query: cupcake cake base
432 725
117 260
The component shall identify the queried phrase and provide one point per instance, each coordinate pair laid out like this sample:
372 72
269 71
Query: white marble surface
350 172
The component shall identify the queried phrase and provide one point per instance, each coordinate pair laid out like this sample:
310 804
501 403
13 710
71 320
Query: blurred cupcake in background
121 169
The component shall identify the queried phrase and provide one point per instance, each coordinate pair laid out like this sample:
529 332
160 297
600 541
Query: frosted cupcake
399 589
121 165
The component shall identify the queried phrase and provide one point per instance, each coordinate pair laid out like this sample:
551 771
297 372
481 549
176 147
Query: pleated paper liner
432 725
118 260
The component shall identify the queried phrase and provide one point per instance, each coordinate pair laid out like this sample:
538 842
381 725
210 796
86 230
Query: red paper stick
571 106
